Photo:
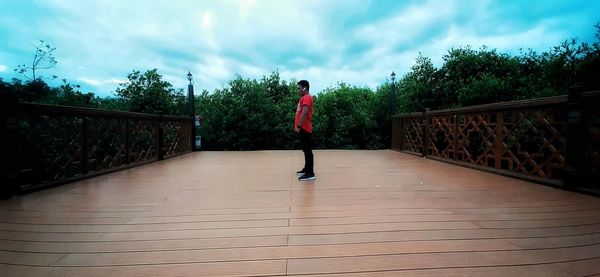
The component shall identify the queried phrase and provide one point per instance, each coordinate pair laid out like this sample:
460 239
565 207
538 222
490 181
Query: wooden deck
369 213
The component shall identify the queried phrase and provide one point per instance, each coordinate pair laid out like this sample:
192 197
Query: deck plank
369 213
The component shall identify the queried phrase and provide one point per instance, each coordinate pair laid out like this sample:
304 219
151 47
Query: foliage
344 118
486 88
112 103
149 93
258 114
69 95
381 114
418 89
39 92
249 114
588 68
26 92
465 70
471 77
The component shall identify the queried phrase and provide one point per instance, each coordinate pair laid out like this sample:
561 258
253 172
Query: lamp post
189 77
190 105
191 109
392 108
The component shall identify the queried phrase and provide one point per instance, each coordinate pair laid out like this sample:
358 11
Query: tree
69 95
31 91
589 66
418 89
42 59
381 111
249 114
112 103
149 93
463 66
344 118
486 88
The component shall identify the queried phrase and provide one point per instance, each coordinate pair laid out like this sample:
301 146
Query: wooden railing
553 140
46 145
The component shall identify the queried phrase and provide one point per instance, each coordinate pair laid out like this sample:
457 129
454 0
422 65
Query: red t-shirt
306 100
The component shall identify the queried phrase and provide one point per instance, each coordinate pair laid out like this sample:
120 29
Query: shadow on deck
369 213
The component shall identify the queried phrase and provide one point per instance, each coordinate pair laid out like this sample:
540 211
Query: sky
358 42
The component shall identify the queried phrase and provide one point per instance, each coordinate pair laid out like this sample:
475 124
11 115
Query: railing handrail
502 106
71 110
493 107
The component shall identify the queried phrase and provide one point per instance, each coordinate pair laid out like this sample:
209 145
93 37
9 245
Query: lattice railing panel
106 151
554 139
175 137
475 138
50 148
413 134
54 144
142 146
534 141
441 137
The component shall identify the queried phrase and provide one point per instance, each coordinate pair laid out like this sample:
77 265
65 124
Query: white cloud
104 39
355 41
246 7
207 20
391 36
95 82
539 36
406 24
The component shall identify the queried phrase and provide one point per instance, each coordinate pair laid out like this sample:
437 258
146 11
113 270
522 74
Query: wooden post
127 142
576 140
401 133
391 124
9 127
192 113
392 131
498 147
84 145
455 138
396 138
159 139
425 132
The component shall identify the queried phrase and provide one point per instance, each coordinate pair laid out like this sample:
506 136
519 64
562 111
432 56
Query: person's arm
303 117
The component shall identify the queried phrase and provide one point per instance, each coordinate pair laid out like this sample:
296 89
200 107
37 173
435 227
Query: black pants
306 143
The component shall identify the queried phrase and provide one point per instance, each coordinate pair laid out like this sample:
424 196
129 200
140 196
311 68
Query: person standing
303 126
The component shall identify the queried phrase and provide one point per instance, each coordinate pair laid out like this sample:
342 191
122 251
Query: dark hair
304 84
